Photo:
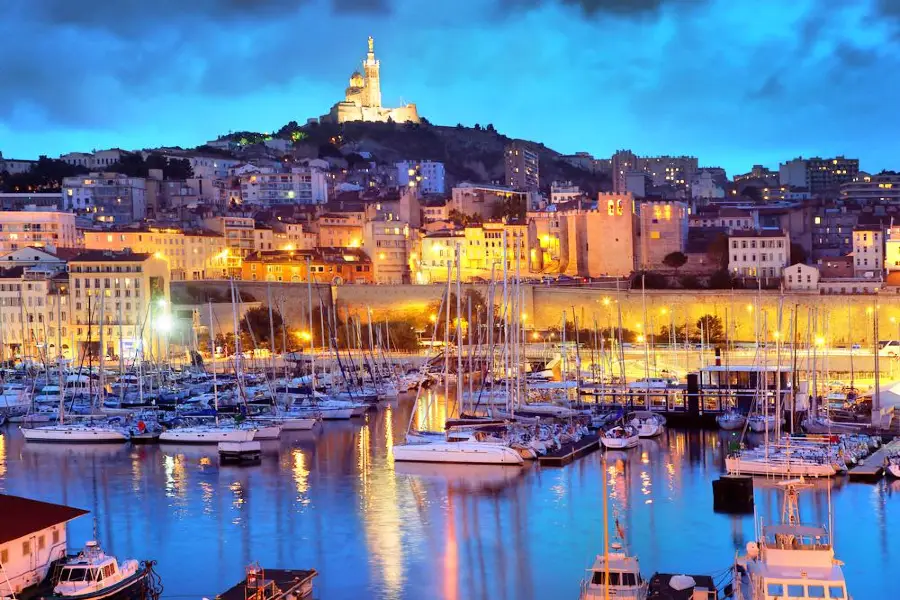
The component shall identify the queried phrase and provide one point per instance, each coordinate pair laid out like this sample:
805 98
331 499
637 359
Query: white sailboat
74 432
623 436
648 424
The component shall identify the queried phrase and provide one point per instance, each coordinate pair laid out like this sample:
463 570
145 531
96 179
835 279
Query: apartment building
108 197
37 228
425 175
522 167
240 240
341 230
190 255
133 290
758 253
299 185
868 252
325 265
31 324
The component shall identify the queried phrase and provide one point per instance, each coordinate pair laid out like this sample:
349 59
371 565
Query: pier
873 468
569 452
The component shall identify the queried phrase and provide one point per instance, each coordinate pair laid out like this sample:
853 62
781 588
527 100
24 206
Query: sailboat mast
102 343
212 358
271 327
447 337
505 314
459 338
309 305
59 359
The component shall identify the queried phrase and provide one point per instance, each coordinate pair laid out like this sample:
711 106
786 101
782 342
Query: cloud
591 8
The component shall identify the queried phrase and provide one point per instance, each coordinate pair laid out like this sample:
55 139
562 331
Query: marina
401 524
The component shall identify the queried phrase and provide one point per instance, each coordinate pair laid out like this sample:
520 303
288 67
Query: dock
569 452
873 468
272 584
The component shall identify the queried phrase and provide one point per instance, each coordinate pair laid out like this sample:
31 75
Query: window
796 591
42 543
26 548
815 591
55 536
4 557
775 589
835 591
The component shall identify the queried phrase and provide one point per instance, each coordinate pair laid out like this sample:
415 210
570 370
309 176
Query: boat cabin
621 575
32 537
92 568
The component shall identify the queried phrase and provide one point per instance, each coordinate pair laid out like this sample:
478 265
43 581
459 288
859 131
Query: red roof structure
23 516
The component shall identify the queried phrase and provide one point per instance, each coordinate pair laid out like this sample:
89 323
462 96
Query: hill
468 153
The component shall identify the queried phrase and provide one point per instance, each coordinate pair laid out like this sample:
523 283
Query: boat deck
661 590
289 584
873 468
569 452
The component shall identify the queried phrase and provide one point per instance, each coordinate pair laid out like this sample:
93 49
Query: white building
758 253
882 188
868 252
300 185
564 191
19 229
704 186
800 278
32 537
15 166
109 197
427 175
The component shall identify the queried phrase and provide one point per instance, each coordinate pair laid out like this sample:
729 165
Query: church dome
356 80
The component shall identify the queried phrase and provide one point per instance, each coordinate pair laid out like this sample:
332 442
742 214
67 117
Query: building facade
426 175
868 252
107 197
40 229
663 230
758 254
522 167
325 265
601 242
800 278
125 293
300 185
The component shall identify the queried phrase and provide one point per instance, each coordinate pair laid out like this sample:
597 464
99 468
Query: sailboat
790 560
218 432
73 432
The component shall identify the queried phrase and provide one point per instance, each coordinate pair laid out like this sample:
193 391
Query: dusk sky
732 82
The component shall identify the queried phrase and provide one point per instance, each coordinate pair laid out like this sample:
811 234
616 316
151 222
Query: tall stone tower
372 93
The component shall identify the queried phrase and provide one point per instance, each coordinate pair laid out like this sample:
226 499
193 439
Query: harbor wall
838 320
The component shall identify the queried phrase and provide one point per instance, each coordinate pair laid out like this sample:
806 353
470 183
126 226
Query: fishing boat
94 575
647 424
622 436
731 420
790 560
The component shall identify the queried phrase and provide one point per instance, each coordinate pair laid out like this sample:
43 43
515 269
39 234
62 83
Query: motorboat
731 420
94 575
790 560
648 424
207 434
623 436
614 575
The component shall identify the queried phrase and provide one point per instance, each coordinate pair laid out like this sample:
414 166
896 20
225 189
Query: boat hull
75 435
458 452
731 424
206 436
735 464
267 432
130 587
618 443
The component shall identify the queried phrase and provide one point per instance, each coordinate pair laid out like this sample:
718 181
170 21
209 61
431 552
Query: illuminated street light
162 302
606 302
164 323
749 308
820 341
663 310
433 318
640 339
777 335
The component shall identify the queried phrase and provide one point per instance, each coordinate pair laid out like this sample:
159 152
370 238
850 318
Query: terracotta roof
22 516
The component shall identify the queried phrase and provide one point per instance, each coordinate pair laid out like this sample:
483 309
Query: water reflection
335 500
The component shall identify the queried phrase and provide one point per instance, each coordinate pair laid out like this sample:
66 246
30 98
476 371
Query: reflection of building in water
381 512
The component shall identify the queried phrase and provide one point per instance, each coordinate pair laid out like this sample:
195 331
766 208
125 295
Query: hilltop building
362 100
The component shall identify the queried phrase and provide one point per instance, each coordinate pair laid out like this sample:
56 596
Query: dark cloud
771 88
624 8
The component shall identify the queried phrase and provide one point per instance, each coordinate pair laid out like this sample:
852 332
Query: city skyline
90 76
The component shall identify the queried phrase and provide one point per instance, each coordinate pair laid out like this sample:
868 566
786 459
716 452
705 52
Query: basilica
362 101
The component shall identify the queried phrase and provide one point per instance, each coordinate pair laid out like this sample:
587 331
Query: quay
569 452
873 468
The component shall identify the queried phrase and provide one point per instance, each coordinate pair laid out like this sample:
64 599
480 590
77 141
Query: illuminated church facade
362 101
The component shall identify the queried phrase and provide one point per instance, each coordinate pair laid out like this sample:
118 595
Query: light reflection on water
335 500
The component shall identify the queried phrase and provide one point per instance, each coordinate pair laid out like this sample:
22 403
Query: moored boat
620 437
614 575
94 575
731 420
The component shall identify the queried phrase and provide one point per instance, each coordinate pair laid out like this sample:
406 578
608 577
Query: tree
256 324
798 253
689 282
649 280
45 175
437 314
675 260
712 328
717 251
490 128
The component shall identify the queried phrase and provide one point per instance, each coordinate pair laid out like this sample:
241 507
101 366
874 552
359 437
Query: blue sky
734 82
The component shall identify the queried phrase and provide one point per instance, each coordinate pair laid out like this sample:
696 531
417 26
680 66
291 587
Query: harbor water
334 500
